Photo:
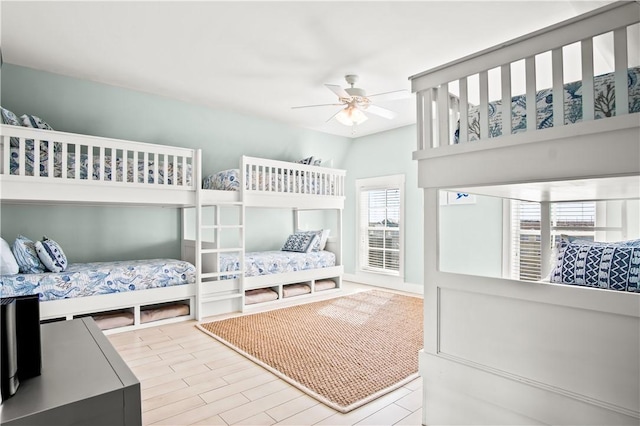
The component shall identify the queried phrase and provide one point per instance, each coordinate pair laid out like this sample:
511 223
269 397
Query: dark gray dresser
83 382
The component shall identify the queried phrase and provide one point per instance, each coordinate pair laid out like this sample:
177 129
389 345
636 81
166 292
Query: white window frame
379 183
598 232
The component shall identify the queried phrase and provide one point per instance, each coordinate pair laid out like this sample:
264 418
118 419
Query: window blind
380 229
570 218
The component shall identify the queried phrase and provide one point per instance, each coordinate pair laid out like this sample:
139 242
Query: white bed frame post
431 332
198 242
545 238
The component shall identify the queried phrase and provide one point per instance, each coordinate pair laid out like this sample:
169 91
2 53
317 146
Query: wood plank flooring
189 378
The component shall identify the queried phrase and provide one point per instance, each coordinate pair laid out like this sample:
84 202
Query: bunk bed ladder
220 230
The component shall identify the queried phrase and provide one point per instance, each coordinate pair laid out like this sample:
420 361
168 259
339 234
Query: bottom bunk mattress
276 262
90 279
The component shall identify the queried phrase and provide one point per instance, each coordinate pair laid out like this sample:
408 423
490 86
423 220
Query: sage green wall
383 154
111 233
121 232
95 234
471 237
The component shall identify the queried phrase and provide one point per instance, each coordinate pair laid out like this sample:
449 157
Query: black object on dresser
20 342
84 381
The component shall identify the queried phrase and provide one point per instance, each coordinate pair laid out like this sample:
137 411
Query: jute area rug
344 351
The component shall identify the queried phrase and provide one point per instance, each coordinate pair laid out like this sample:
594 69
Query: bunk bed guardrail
264 176
443 129
102 161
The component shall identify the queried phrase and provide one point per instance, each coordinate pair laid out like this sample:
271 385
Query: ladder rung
221 250
222 226
211 298
219 274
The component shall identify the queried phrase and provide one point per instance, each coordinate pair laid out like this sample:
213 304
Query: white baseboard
383 281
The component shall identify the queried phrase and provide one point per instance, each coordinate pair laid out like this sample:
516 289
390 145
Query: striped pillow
612 266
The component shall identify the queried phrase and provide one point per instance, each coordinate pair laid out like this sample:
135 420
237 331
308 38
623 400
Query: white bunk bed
504 351
133 173
122 174
262 183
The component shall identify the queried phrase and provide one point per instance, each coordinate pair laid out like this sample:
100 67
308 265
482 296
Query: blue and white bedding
229 180
90 279
612 266
276 262
84 161
604 97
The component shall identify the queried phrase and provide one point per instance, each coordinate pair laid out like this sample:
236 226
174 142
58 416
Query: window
599 221
381 204
576 219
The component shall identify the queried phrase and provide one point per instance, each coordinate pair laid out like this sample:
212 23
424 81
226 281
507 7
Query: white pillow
8 264
323 238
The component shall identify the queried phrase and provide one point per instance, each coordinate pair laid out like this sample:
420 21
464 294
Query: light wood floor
189 378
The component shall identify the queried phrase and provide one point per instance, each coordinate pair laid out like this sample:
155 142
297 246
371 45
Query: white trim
373 183
377 280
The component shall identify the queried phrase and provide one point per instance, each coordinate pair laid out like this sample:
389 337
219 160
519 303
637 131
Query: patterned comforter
84 164
228 180
276 262
604 97
90 279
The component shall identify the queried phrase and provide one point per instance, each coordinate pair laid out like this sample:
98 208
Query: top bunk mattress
90 279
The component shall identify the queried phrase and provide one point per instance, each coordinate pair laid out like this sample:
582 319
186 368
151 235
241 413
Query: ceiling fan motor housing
356 91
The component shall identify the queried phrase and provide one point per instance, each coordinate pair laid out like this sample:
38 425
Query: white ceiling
261 58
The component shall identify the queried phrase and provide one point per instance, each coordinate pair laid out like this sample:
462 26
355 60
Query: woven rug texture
344 351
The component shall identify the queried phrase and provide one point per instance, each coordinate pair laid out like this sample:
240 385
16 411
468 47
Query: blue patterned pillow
301 242
315 244
602 265
25 253
9 118
308 160
51 255
34 122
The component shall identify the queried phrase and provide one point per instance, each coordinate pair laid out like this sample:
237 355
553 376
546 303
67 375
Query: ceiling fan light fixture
350 116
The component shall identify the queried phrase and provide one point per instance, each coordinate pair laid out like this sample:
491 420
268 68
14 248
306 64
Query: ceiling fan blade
338 90
391 96
382 112
311 106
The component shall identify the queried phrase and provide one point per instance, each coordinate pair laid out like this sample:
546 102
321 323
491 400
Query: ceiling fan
356 102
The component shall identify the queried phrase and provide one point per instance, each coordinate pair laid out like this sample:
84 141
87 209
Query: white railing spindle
505 81
463 135
557 67
484 105
621 61
586 47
